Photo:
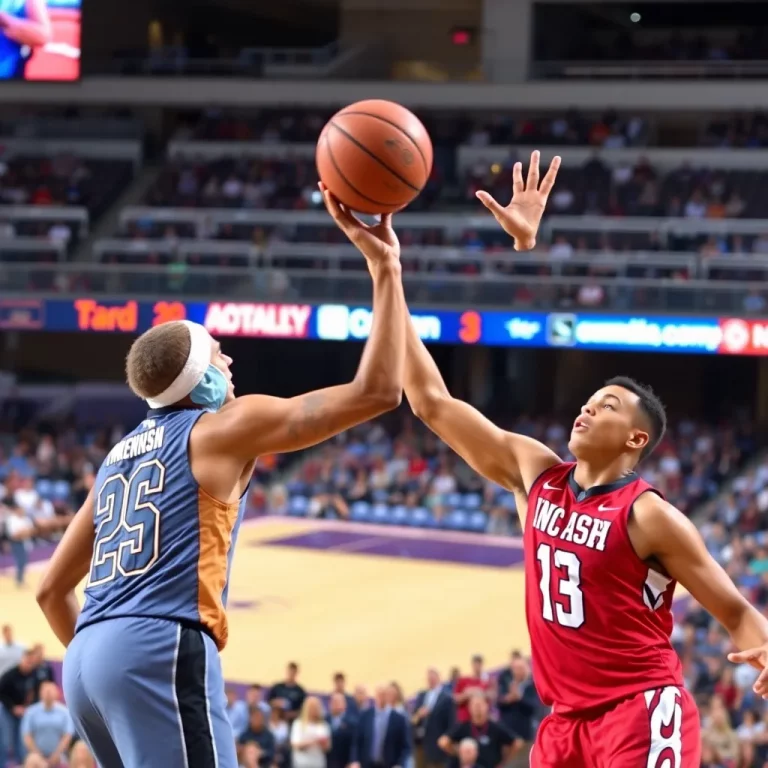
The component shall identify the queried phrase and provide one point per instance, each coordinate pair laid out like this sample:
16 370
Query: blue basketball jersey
10 50
163 546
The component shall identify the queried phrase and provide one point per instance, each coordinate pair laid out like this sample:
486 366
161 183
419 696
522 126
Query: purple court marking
482 553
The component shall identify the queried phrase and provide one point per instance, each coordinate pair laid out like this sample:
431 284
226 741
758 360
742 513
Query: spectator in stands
43 671
495 743
343 724
19 529
719 733
237 712
362 699
254 697
280 729
518 702
434 715
16 690
310 736
340 686
290 693
258 734
47 728
80 756
250 756
382 735
11 650
468 754
478 682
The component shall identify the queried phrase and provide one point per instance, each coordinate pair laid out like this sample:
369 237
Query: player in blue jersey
155 538
24 25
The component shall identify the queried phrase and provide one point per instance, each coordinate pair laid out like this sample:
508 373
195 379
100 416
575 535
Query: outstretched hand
757 658
377 242
521 218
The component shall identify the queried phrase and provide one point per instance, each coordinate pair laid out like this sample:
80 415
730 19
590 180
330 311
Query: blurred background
173 177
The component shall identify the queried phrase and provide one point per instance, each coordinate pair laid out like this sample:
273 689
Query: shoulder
656 526
650 511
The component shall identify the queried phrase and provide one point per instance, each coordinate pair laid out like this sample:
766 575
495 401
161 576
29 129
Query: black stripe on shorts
193 704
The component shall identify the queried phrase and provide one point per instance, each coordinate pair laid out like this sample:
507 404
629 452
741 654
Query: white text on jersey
137 445
579 528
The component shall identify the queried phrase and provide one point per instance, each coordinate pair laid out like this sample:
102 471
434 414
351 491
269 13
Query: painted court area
359 598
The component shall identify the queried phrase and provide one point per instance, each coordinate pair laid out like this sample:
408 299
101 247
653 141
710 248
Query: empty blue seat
478 521
423 518
472 501
381 514
400 515
456 520
44 488
360 511
298 505
60 491
453 500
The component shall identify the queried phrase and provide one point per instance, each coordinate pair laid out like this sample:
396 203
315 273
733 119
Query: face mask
212 390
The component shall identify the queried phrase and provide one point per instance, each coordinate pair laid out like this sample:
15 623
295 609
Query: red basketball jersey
599 618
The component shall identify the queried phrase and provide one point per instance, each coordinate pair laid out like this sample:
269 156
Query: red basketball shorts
654 729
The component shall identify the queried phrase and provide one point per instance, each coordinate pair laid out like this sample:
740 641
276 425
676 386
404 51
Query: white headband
193 371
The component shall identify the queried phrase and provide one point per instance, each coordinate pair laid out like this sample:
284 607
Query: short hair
293 665
650 406
156 358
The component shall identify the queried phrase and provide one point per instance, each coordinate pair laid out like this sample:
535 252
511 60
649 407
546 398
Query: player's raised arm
257 424
521 218
660 531
513 461
67 568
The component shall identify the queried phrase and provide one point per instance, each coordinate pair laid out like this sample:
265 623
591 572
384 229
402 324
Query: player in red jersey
603 553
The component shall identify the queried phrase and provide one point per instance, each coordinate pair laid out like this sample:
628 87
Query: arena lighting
635 17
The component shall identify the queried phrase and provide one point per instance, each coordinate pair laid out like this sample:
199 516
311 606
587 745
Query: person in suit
340 686
434 714
362 699
343 731
383 736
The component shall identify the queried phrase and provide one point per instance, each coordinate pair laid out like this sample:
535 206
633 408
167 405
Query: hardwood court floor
374 602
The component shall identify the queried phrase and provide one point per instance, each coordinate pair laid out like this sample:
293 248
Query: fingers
341 215
533 171
744 657
386 220
496 209
518 185
761 684
549 179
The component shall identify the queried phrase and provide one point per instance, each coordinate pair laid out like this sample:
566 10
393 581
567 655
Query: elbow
383 398
46 592
425 405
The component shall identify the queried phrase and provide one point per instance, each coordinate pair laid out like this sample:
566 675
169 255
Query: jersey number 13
568 609
127 524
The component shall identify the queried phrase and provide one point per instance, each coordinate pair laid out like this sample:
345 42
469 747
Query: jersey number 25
127 524
569 608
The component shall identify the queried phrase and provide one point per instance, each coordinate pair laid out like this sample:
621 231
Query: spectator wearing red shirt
467 686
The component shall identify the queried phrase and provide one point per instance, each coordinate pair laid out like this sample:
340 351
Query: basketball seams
347 181
394 125
368 152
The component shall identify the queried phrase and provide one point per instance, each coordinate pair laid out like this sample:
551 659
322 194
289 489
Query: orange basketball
374 156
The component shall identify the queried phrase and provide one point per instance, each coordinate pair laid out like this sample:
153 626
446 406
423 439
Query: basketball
374 156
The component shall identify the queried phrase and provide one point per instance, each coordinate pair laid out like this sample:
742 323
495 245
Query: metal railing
450 223
253 284
648 69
